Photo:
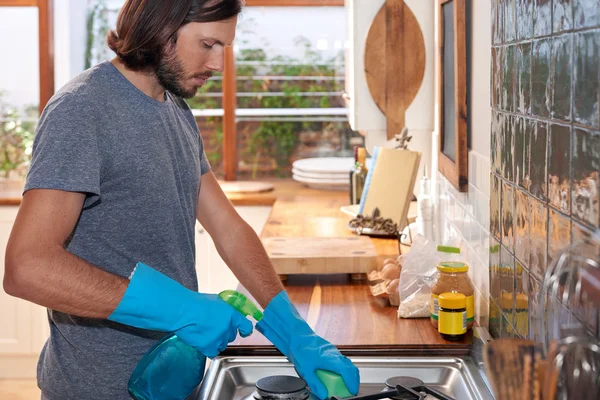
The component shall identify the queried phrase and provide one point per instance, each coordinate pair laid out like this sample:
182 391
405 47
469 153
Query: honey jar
453 278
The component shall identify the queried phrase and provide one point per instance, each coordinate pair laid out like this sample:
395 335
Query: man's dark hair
144 27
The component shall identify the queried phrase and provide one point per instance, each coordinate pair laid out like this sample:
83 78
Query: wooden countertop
337 308
11 195
342 310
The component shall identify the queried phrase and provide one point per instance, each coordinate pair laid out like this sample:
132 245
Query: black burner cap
405 381
280 384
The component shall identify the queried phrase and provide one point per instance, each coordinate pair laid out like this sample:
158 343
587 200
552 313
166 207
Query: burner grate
402 388
281 387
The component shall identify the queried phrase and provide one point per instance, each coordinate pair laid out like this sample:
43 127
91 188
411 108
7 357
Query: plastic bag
419 269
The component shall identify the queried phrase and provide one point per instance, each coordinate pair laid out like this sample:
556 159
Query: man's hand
203 321
284 327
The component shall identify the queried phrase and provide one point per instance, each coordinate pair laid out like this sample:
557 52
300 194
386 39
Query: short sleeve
204 163
66 154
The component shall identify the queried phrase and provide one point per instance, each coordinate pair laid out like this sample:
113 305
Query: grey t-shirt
139 161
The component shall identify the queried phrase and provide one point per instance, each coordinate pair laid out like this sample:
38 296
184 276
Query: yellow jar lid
452 300
452 267
522 301
506 300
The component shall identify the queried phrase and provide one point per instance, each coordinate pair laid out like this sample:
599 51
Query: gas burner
281 387
404 381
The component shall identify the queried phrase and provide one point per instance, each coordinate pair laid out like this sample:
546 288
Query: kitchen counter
11 194
336 307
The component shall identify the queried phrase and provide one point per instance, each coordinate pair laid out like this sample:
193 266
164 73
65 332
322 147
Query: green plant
16 139
278 139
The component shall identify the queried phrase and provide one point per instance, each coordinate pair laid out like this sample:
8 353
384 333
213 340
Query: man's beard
171 75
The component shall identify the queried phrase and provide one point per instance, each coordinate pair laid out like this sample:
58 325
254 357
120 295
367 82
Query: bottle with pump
425 208
172 370
359 175
352 171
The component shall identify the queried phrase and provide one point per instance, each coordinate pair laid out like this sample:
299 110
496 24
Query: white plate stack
326 173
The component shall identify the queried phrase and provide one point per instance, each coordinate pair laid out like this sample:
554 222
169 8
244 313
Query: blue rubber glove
203 321
285 328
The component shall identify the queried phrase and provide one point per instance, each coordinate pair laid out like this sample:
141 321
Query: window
289 65
26 81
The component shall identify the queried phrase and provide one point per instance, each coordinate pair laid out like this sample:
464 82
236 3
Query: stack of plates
327 173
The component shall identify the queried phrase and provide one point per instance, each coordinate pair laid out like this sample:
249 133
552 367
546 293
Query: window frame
229 78
46 44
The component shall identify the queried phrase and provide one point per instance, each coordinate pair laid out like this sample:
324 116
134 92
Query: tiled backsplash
545 150
466 217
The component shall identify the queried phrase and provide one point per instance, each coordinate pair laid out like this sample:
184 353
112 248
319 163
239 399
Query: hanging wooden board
394 62
321 255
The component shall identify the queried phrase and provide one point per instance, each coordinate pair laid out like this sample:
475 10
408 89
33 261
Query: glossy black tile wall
545 151
538 163
586 78
524 19
524 78
559 171
585 191
523 132
508 216
541 79
538 262
542 17
562 49
586 13
562 15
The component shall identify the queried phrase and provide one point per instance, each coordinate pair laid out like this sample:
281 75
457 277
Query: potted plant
17 131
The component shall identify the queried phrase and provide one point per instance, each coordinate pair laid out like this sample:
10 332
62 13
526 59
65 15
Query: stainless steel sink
234 378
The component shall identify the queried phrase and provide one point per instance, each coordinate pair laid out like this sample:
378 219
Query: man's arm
236 242
39 268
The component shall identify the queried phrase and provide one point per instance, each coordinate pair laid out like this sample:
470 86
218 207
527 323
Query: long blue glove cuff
152 301
287 330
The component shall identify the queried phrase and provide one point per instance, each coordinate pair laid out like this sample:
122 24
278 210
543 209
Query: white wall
69 39
481 44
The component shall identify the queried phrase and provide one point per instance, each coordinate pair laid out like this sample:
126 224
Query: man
104 237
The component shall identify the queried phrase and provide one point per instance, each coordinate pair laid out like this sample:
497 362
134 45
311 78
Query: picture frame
452 92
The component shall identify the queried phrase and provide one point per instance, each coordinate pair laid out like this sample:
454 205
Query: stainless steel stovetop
274 378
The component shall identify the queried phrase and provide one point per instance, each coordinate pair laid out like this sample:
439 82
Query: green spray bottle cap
333 382
241 303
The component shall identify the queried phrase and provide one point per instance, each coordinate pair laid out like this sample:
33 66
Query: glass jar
452 277
452 315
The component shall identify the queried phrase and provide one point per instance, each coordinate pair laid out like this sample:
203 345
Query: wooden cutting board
394 62
245 186
321 255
